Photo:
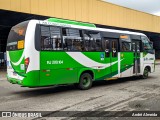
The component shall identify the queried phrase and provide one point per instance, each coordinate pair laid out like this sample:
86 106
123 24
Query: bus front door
136 52
111 56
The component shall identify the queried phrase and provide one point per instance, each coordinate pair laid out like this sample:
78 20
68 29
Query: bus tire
85 81
145 73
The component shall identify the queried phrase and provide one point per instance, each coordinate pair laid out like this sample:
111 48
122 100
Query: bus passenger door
111 56
136 52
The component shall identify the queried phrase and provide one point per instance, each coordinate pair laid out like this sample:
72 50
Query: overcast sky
148 6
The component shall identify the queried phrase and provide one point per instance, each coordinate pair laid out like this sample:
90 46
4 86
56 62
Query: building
101 13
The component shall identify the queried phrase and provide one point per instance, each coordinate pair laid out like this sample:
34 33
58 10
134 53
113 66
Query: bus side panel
31 79
147 59
99 70
99 74
57 68
127 59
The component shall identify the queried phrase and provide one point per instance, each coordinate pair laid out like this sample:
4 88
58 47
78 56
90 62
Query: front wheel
85 81
145 73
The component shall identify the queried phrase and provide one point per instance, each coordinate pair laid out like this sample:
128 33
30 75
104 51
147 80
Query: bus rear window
17 36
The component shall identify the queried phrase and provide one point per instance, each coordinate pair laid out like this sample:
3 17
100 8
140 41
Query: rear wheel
85 81
145 73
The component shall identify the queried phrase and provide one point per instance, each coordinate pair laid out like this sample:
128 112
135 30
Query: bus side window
55 33
50 38
72 44
93 41
77 44
72 40
45 38
107 44
133 47
114 45
125 43
126 46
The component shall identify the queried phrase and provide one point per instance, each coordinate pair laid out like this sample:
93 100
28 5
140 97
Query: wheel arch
85 70
148 67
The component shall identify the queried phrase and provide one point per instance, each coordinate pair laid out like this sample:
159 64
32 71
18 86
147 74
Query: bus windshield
146 43
17 36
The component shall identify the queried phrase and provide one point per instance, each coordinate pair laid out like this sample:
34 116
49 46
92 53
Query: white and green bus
57 51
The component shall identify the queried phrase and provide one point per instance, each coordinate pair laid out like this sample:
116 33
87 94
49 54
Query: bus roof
75 24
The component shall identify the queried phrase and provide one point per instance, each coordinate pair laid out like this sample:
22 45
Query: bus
60 52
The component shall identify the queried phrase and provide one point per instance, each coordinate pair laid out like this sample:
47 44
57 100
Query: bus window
16 36
126 46
55 33
106 47
50 38
106 44
114 48
138 48
125 43
133 47
45 38
146 43
72 40
72 43
92 41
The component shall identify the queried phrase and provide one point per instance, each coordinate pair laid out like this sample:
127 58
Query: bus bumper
31 79
15 81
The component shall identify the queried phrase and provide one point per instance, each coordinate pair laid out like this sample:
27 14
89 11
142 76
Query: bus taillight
26 63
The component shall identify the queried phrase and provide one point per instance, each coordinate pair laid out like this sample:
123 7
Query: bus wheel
145 73
85 81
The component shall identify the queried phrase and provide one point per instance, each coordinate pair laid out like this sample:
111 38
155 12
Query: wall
93 11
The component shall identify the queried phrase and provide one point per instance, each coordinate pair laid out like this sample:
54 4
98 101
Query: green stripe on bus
71 22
